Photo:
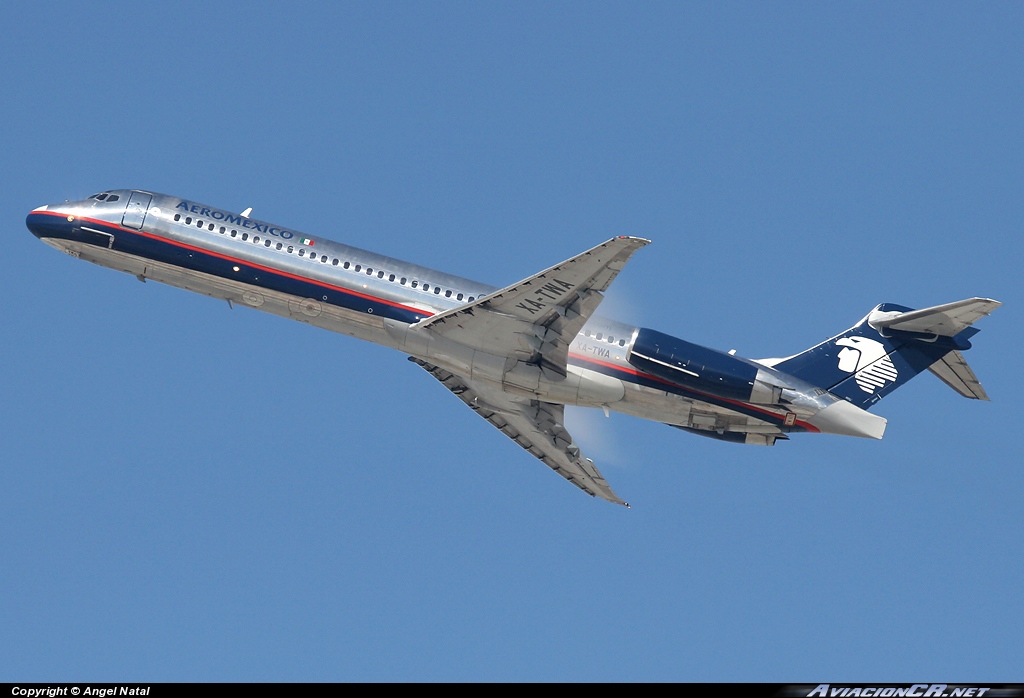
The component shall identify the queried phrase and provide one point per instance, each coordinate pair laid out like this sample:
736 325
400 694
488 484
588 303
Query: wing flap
537 427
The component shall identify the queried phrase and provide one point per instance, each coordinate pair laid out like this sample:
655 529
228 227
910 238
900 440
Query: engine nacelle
705 370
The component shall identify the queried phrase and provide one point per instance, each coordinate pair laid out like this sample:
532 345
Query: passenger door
135 213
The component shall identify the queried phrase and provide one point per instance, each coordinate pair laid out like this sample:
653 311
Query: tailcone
847 419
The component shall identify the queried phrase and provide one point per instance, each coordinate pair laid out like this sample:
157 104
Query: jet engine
701 369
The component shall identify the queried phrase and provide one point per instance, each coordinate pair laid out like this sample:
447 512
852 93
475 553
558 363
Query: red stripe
253 265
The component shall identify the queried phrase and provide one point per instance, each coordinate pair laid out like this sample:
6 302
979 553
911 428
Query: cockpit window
112 197
101 197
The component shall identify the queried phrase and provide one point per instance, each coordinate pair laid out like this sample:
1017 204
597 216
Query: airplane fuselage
352 291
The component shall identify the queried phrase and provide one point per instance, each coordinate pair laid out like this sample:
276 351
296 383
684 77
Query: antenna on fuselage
246 212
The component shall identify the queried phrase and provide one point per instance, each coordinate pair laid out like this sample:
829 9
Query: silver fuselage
355 292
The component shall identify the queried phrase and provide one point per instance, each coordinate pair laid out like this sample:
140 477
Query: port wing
538 427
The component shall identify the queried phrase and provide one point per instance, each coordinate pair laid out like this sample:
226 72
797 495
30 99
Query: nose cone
43 222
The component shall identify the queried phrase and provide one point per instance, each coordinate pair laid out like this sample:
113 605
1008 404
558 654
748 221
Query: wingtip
633 238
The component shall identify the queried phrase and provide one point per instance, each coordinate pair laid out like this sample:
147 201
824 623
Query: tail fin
892 345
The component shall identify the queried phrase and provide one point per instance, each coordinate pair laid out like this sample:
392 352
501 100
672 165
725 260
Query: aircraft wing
536 426
536 319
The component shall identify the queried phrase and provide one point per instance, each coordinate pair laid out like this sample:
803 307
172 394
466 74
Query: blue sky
197 493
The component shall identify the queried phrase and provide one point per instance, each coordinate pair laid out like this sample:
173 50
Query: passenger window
345 265
599 335
471 299
222 229
290 249
413 284
256 239
437 290
245 236
199 224
402 281
279 245
302 252
210 227
177 216
323 258
334 261
447 294
391 278
234 233
369 272
622 342
267 243
426 287
358 267
188 221
458 297
380 275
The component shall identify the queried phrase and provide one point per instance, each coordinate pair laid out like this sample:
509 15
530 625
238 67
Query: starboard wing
536 319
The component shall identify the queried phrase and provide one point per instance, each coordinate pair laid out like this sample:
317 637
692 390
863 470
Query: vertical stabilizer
891 345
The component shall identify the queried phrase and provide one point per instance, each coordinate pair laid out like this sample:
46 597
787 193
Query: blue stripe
167 252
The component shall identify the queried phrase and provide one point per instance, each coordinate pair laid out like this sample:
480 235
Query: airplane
517 355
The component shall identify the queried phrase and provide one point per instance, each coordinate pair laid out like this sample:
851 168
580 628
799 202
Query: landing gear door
135 213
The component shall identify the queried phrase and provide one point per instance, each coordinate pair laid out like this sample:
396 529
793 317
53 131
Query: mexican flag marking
306 241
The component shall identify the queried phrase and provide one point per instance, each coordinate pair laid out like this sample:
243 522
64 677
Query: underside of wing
535 320
538 427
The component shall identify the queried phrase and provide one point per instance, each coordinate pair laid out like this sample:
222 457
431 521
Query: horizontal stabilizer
952 369
946 320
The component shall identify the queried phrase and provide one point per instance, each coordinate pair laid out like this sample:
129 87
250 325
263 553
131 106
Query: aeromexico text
235 219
